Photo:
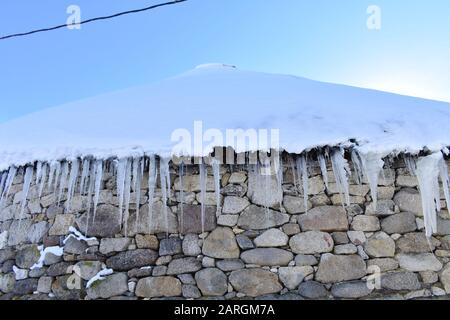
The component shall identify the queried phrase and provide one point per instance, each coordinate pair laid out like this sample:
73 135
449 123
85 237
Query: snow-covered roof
308 114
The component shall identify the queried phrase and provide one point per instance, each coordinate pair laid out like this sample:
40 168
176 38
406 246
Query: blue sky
319 39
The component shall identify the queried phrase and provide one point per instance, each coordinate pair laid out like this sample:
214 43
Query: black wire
93 19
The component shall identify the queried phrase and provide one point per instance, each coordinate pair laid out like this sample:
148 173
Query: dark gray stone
402 222
128 260
184 265
351 290
192 219
106 224
312 290
169 246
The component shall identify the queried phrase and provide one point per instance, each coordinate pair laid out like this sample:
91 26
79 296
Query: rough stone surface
419 262
255 282
292 276
184 265
190 245
221 244
408 200
351 290
267 257
325 218
272 238
154 287
109 245
365 223
258 218
337 268
312 290
192 219
400 281
106 223
311 242
380 245
416 242
27 256
295 205
61 225
169 246
128 260
113 285
234 205
402 222
212 282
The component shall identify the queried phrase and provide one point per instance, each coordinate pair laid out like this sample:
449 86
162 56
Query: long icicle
72 182
428 178
181 170
341 171
202 169
165 186
302 172
121 171
26 188
9 181
137 186
98 184
152 176
43 180
127 194
445 180
51 174
57 174
372 164
323 168
216 172
84 175
90 191
63 180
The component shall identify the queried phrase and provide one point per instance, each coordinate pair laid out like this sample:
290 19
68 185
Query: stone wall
288 251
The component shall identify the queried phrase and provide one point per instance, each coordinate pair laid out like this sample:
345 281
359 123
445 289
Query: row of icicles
84 176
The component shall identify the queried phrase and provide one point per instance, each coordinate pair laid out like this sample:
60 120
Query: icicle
427 175
63 181
121 172
357 165
9 181
279 171
43 179
152 175
72 182
216 172
90 191
410 163
84 175
323 168
51 174
202 169
26 188
57 173
445 180
292 165
341 171
98 183
38 172
302 172
372 164
164 174
127 194
3 181
137 186
181 170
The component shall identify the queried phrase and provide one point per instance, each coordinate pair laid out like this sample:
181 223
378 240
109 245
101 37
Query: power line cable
92 20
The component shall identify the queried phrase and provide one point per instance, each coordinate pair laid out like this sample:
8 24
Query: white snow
99 277
77 235
308 114
57 251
